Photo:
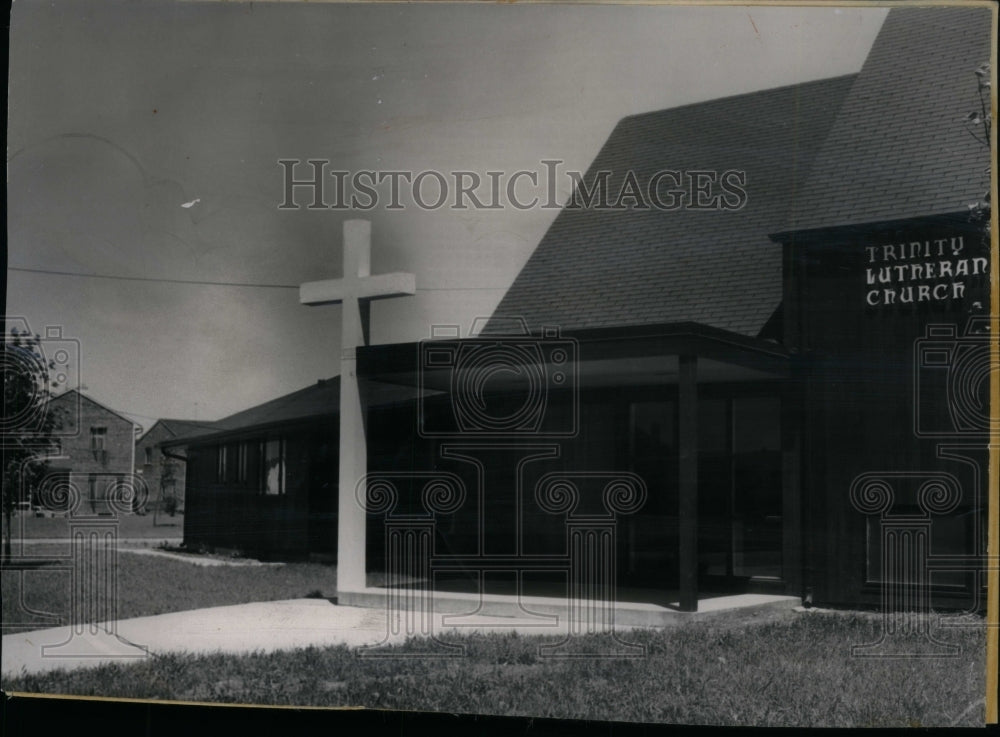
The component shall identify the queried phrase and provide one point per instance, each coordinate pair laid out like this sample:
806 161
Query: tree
28 423
979 124
168 480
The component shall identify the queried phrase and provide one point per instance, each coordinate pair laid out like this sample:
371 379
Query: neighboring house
95 455
790 371
163 474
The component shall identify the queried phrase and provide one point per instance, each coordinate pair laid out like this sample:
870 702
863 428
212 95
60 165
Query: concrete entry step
557 614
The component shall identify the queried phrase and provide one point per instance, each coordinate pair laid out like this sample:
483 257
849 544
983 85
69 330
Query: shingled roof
601 268
899 147
317 401
179 428
186 427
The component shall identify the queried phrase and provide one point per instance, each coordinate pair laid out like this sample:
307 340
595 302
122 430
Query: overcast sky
122 113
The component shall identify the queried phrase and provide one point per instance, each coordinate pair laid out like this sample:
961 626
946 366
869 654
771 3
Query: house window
241 462
149 456
98 438
274 467
220 469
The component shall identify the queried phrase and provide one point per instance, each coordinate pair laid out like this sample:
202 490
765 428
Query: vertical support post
791 504
687 394
734 542
351 518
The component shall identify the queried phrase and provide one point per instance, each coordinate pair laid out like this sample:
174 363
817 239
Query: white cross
354 291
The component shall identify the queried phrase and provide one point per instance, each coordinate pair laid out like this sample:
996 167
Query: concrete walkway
244 628
199 560
266 627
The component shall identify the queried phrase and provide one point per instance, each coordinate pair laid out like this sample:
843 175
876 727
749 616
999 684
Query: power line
202 282
206 282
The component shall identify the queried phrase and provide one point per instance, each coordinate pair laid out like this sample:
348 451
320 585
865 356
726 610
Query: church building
751 355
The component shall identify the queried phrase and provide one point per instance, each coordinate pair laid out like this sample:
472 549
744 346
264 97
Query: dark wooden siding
861 376
233 511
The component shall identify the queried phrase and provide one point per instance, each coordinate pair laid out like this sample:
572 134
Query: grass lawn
785 668
795 669
152 585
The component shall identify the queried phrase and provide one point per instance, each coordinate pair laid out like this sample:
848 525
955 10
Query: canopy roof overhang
641 355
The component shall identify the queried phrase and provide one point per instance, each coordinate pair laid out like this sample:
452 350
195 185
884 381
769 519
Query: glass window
715 485
757 485
98 438
220 471
241 463
654 450
713 427
757 424
274 466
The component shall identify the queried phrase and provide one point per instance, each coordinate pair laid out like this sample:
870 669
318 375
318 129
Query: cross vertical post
353 291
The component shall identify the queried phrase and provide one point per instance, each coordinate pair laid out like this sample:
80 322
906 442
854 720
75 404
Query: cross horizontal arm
379 286
393 284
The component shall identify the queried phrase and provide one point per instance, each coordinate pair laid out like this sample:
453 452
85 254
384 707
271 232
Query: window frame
280 466
98 437
221 458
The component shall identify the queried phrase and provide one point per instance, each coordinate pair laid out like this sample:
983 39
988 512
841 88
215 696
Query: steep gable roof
601 268
899 147
81 397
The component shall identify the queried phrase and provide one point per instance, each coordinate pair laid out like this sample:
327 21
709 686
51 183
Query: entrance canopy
528 366
598 357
